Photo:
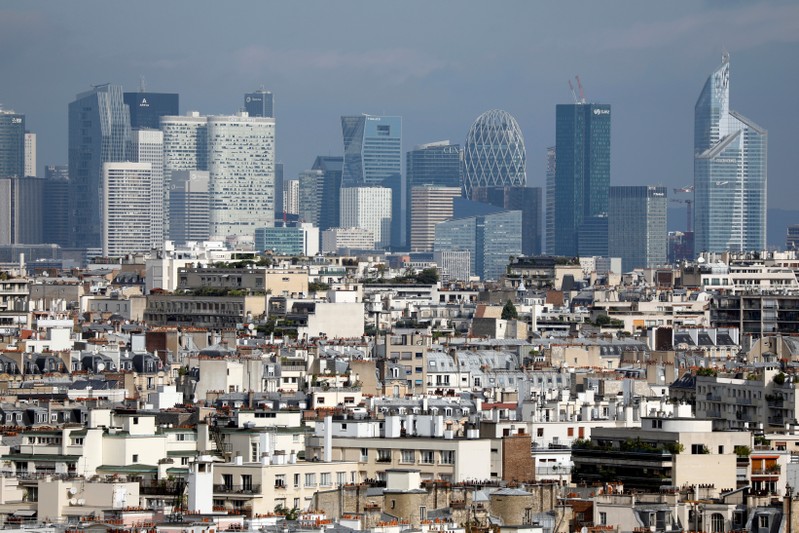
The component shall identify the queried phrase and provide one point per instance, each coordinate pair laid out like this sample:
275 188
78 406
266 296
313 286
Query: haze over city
438 65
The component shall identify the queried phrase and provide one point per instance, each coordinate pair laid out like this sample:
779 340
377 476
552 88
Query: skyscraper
582 172
437 164
368 208
30 154
260 104
637 226
55 207
99 132
146 109
550 201
20 210
730 175
331 167
12 144
241 165
430 205
148 147
189 205
373 157
494 153
524 199
278 191
127 204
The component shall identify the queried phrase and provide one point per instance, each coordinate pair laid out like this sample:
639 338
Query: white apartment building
291 196
127 205
241 163
368 208
148 147
335 239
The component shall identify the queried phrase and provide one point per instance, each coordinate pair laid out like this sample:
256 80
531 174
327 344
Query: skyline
647 61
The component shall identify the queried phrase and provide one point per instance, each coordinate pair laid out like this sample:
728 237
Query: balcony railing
237 489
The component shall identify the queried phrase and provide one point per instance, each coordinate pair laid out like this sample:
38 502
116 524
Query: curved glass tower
494 154
730 174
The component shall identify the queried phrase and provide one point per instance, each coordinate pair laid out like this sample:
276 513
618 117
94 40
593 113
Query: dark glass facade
637 229
329 211
12 145
99 132
55 206
146 109
260 104
524 199
582 173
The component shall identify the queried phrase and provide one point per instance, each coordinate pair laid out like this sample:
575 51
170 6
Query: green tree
428 276
509 311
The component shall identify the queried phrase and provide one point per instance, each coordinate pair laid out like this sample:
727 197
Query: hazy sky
438 64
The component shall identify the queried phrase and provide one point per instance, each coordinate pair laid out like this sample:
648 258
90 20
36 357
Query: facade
637 226
429 205
592 237
302 240
524 199
368 208
335 239
494 153
148 147
373 158
146 108
55 205
30 154
582 173
261 103
189 206
730 175
291 196
490 240
792 237
20 210
241 166
311 198
550 201
12 144
127 205
329 212
437 164
453 265
99 132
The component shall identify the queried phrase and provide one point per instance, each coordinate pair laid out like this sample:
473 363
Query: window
570 432
422 513
364 454
227 480
341 478
448 457
280 481
135 458
603 519
408 457
326 479
762 520
296 481
310 480
383 456
540 432
428 457
246 481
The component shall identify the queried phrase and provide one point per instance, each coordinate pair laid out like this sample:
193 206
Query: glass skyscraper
582 172
373 158
261 103
12 144
637 230
99 132
730 176
146 109
494 153
329 212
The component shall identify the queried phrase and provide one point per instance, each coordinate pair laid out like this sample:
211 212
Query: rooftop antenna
142 84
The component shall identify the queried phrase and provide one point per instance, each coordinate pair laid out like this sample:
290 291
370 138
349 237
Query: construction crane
689 204
581 98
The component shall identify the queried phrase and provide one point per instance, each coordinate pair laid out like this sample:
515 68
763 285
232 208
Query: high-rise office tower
582 173
278 191
20 210
730 174
292 194
146 108
55 206
189 206
637 226
260 104
12 144
30 154
185 148
331 167
437 164
524 199
99 132
373 157
550 201
430 205
490 240
494 153
127 202
310 196
241 165
368 208
148 147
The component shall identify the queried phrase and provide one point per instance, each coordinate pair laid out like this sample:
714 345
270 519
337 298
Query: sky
437 64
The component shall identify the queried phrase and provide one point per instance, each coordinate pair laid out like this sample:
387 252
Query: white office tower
127 205
30 154
148 147
368 208
241 166
185 149
291 196
188 206
335 239
429 206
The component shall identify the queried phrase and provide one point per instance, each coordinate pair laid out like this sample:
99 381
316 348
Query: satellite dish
73 501
100 367
81 501
72 491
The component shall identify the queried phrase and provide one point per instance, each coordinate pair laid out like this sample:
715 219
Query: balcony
769 471
237 489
